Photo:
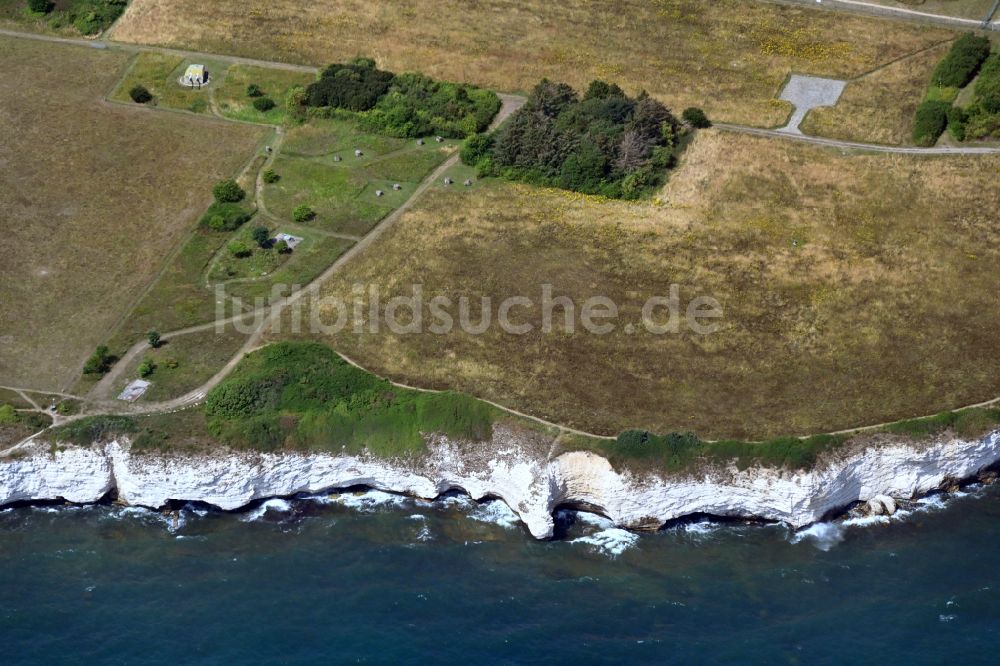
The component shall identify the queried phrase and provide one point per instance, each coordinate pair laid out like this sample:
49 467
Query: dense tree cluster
605 143
356 86
962 62
404 105
417 105
983 117
978 119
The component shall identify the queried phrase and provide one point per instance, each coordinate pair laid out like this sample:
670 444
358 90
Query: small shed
195 76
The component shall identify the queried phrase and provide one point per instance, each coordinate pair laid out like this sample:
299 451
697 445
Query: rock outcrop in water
515 466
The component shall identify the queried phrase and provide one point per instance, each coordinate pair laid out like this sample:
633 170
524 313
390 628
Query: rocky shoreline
513 466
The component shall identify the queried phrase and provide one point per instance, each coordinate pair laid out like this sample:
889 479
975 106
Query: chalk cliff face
515 467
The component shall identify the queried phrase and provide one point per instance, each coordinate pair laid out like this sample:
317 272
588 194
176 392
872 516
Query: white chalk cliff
514 466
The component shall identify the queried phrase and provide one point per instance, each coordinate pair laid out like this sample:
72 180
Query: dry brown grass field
729 57
856 289
879 107
94 196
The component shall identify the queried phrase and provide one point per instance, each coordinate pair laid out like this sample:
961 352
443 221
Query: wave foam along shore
504 468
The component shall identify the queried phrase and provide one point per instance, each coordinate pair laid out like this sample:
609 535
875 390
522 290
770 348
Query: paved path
857 145
874 9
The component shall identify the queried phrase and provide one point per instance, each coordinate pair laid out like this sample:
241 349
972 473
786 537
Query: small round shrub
8 415
217 223
263 104
695 117
261 236
140 95
238 248
228 191
146 368
253 90
281 247
271 177
303 213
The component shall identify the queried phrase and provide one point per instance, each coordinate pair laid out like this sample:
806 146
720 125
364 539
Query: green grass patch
260 262
409 167
233 101
308 260
965 423
941 94
184 363
341 197
303 396
159 73
676 452
86 431
326 137
342 192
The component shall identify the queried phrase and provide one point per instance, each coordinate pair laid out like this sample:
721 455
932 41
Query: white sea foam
496 512
369 500
594 520
276 505
822 535
612 541
457 501
703 529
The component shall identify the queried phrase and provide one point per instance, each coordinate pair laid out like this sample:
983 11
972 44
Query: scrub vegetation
69 17
304 396
404 105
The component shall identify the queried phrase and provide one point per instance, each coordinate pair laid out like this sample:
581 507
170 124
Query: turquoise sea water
377 579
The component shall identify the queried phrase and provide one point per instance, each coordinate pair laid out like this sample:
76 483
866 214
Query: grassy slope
302 397
93 214
730 59
197 356
232 100
856 289
159 73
